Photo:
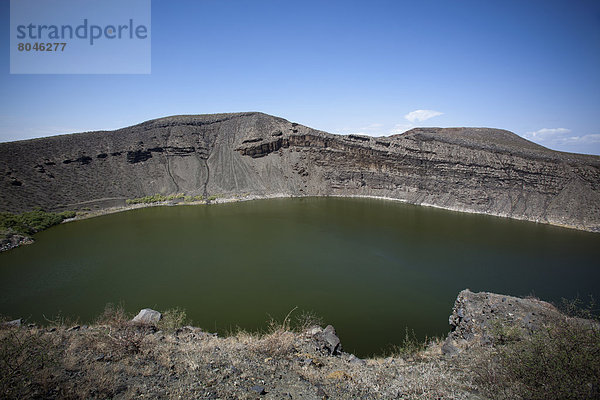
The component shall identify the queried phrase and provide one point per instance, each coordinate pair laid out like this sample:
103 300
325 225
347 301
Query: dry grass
173 319
116 359
26 358
559 361
279 337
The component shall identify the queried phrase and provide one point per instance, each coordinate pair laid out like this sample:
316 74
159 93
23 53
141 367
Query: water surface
369 267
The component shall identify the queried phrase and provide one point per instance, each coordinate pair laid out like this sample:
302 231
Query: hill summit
479 170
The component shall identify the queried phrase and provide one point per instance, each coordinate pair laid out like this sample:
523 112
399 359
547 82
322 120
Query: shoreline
82 215
235 199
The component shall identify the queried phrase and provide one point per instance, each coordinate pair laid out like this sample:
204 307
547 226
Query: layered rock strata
479 170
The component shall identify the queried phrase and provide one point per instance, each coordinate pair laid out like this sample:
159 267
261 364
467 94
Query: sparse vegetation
559 361
31 222
125 338
113 315
503 334
173 319
214 197
157 198
305 320
190 199
26 359
410 347
116 358
15 229
279 337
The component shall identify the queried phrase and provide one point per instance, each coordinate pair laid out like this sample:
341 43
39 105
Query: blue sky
372 67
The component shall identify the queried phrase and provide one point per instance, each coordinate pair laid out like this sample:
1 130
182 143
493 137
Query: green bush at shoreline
30 222
158 198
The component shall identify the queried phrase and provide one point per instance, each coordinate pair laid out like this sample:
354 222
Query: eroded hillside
466 169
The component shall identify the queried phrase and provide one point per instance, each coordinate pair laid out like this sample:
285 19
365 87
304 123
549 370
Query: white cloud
401 128
421 115
593 138
371 127
562 139
374 129
548 132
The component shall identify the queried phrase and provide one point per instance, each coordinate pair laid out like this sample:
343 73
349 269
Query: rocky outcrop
478 170
480 318
12 240
325 340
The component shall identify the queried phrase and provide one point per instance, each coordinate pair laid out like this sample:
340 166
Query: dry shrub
26 360
559 361
113 315
276 343
339 375
280 337
563 359
305 321
489 374
411 347
172 320
95 381
277 340
126 338
436 380
60 321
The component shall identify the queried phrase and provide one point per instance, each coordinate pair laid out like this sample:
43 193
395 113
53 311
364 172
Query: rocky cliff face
466 169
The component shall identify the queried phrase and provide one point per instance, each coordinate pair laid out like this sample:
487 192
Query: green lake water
369 267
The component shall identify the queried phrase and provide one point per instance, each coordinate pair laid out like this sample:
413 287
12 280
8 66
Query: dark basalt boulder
325 340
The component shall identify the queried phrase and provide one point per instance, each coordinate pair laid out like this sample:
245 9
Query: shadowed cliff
465 169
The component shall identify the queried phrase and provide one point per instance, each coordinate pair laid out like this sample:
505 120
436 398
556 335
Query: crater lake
371 268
